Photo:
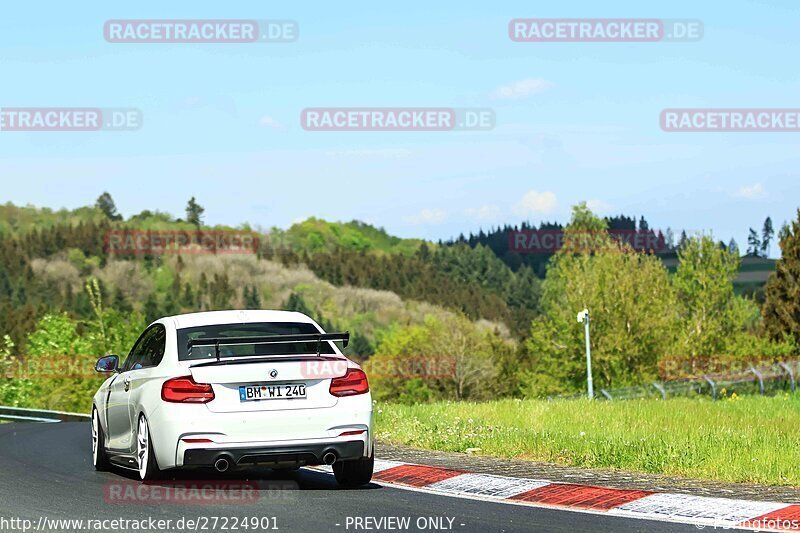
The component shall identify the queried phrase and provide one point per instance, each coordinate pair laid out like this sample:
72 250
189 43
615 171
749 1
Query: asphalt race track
46 471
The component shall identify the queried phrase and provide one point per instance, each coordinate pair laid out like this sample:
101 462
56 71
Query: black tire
100 457
354 473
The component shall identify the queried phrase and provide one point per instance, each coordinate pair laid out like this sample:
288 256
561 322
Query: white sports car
232 389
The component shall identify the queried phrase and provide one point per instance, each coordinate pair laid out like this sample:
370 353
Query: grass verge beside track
744 439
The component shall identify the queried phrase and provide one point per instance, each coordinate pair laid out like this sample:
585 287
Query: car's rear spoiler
216 342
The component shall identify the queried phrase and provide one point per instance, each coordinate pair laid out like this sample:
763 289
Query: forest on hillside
502 322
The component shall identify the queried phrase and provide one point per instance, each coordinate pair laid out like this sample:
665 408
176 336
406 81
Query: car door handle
127 384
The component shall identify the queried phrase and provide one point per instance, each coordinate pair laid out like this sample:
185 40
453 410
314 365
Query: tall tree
704 284
105 203
766 236
151 310
683 240
753 243
781 308
733 247
194 212
669 239
633 318
252 299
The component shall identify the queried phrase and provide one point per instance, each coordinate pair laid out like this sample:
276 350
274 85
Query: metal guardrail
23 414
759 380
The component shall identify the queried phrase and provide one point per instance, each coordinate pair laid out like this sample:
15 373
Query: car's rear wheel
354 473
148 467
99 455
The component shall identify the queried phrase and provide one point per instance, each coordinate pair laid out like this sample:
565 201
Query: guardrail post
760 378
713 387
660 389
790 372
606 394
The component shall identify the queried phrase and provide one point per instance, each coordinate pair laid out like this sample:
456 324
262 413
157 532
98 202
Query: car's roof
206 318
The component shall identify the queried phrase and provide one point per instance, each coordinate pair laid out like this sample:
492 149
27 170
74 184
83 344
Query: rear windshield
258 329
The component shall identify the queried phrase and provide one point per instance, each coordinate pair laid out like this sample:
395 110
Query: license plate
274 391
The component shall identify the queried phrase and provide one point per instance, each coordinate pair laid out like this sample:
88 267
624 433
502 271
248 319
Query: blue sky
575 121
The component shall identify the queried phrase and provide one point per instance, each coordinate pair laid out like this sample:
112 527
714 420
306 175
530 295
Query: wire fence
769 379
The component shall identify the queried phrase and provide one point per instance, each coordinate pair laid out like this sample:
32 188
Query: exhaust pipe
329 458
222 464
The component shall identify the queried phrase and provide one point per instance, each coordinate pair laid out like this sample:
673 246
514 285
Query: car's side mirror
107 364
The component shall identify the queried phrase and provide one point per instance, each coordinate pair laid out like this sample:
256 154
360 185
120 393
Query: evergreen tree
6 291
194 212
187 299
669 240
252 299
20 296
766 236
359 346
171 306
781 308
221 292
150 310
295 302
785 231
121 303
753 243
733 248
106 204
683 240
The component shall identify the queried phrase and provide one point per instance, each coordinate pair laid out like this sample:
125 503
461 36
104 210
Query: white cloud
484 213
427 216
598 206
752 192
535 203
269 122
520 89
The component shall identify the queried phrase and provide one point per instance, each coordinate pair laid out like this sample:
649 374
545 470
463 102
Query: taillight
349 433
352 383
185 390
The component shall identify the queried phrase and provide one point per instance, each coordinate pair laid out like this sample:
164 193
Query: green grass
752 439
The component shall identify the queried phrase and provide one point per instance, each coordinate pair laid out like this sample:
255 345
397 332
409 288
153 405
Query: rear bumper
301 434
300 454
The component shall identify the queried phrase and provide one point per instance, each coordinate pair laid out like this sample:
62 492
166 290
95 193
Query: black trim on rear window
255 329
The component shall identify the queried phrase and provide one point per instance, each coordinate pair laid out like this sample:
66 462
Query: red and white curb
700 511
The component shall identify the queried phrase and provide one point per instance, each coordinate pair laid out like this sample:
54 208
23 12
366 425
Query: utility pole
583 317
